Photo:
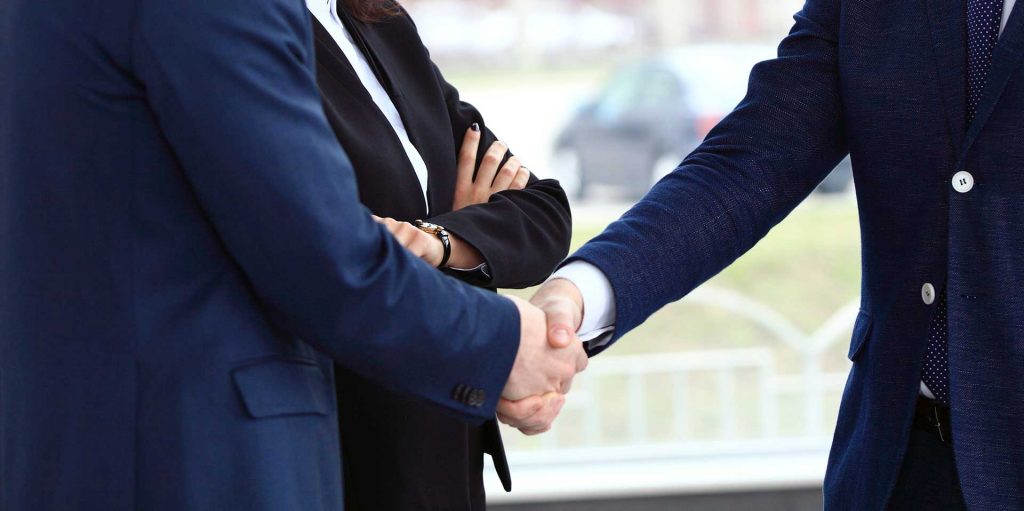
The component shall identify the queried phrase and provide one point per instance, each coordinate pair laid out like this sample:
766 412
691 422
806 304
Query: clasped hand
550 355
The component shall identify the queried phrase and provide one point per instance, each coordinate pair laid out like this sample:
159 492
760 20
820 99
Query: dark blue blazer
884 81
174 212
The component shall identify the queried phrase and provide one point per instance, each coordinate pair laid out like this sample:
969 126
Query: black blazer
400 453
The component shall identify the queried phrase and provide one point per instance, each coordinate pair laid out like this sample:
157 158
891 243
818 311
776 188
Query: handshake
550 355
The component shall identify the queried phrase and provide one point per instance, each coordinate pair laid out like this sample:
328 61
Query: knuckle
568 372
534 424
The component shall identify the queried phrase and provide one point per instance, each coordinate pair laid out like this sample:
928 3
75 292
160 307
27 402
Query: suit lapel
340 69
337 64
440 181
949 43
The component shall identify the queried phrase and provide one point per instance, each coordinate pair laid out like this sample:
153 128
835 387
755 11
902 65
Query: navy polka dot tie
983 21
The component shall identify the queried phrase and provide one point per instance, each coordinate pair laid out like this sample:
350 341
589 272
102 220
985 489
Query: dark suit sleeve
751 171
522 234
231 85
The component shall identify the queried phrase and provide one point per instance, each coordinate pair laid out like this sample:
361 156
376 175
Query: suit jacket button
477 398
928 293
461 393
963 181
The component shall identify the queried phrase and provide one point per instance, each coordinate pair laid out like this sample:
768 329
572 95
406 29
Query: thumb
560 326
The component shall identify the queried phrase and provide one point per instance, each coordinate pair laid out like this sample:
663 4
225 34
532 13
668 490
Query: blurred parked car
651 114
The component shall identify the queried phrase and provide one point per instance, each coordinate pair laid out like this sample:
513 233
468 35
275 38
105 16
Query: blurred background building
727 399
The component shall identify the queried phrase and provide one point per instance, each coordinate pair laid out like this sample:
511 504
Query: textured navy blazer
174 211
886 82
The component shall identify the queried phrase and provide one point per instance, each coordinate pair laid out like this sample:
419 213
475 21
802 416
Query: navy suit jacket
174 212
886 82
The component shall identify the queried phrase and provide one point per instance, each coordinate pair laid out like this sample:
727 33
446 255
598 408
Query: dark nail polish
475 127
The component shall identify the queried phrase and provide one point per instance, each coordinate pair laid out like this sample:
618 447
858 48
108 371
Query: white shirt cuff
598 299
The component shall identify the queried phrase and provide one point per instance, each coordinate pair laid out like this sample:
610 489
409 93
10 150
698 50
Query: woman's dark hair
371 11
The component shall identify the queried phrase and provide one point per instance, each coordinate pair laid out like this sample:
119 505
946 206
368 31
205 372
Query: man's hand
539 367
562 305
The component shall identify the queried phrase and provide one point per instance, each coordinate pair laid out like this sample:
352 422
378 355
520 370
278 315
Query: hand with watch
433 243
442 236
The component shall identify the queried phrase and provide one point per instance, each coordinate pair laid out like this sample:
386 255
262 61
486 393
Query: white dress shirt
1007 7
599 297
326 12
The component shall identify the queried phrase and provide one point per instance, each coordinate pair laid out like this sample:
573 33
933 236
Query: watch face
429 227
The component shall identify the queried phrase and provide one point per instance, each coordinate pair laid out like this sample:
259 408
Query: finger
513 412
521 180
427 247
392 225
531 413
546 419
489 166
406 233
542 420
582 360
467 157
417 246
576 362
377 219
506 175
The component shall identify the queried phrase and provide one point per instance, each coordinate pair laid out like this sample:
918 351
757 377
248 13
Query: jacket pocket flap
282 387
861 331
